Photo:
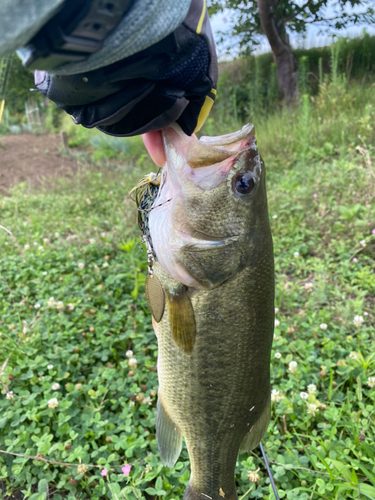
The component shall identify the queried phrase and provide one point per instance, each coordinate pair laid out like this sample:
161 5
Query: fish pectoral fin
182 319
168 436
254 436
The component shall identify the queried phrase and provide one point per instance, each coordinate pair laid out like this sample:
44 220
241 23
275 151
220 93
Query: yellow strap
204 112
2 109
201 19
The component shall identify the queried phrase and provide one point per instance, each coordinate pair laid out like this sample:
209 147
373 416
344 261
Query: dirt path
32 159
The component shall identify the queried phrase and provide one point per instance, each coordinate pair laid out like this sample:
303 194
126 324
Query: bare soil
34 160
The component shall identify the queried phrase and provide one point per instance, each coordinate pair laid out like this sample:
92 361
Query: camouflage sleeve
145 23
157 66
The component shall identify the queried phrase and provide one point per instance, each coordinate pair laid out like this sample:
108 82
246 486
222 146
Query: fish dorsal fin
155 297
254 436
181 319
168 436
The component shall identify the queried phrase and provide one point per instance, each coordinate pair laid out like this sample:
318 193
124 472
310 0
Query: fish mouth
208 151
230 139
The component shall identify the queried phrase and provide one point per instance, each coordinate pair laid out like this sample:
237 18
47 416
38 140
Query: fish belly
220 392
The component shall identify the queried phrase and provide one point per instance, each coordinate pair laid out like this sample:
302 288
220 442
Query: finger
154 145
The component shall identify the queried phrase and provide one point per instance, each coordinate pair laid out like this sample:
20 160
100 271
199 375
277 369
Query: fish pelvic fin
168 436
254 436
193 494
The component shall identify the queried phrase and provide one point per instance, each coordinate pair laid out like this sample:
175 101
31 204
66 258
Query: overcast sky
222 22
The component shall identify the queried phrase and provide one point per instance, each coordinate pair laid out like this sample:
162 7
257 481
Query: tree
277 18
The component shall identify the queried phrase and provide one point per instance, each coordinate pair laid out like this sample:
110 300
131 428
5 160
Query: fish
210 290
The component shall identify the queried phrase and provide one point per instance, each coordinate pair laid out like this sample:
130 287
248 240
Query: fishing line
269 472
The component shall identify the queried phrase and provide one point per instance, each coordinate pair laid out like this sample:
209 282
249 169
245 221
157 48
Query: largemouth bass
211 294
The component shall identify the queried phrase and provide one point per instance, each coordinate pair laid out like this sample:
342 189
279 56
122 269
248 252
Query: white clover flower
276 310
53 403
49 367
140 397
296 255
276 396
44 273
253 476
311 388
51 302
357 321
56 386
59 305
133 363
25 330
303 395
37 305
277 355
353 355
105 264
308 285
81 469
70 306
312 409
292 367
91 241
35 244
131 404
371 382
45 240
277 322
103 235
147 401
274 216
41 249
57 235
10 395
81 265
365 313
27 247
129 353
362 243
323 326
88 201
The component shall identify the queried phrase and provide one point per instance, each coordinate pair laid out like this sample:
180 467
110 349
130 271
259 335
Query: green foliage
105 149
288 15
74 306
20 83
53 118
253 79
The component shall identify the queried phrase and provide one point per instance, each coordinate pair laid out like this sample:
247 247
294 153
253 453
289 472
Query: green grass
321 188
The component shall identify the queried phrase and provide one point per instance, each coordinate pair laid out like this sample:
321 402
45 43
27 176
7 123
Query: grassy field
79 382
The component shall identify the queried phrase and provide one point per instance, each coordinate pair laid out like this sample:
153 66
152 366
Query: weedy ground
72 309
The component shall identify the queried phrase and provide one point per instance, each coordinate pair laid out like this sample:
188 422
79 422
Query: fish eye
243 182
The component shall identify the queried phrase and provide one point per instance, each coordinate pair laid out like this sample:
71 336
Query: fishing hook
269 473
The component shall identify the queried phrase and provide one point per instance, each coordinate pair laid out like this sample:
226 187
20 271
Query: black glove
171 81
